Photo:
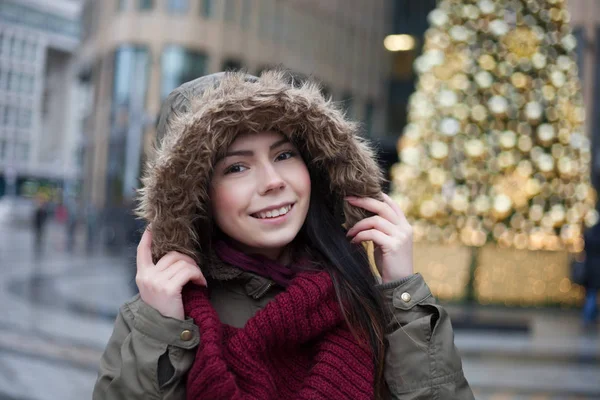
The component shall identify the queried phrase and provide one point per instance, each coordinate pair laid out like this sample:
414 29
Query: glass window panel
180 65
121 5
31 52
246 13
10 116
232 65
13 81
25 118
208 8
29 16
229 10
145 4
3 80
24 151
177 6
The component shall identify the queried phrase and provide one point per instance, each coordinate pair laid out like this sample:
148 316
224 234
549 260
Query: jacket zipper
265 290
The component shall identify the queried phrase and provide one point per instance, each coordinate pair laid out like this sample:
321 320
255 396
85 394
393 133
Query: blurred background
81 83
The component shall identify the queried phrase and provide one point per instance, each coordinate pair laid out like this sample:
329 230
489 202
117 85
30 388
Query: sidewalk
57 316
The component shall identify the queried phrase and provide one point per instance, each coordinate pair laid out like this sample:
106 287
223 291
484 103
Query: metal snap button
186 335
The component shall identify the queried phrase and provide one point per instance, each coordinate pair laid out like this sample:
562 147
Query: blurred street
57 315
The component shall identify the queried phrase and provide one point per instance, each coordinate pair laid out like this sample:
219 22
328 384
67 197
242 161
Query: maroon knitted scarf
257 263
297 347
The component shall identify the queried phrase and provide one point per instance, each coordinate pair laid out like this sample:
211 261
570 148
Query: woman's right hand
161 285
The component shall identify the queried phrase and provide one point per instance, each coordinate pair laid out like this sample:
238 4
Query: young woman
254 281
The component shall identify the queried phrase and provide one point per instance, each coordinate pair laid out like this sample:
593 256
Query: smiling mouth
277 212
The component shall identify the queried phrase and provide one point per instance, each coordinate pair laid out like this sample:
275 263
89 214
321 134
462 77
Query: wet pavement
57 315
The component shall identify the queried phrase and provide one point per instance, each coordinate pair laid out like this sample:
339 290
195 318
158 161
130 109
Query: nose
271 180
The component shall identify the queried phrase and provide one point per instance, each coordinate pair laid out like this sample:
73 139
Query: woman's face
260 193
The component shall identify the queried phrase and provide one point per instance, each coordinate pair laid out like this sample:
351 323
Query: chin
275 243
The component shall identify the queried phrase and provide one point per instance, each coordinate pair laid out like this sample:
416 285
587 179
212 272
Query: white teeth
275 213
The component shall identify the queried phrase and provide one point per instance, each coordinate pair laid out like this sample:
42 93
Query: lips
273 212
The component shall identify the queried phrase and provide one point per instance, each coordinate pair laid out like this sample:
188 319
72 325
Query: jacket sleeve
147 356
422 361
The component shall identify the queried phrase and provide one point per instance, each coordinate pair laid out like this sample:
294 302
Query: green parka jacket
148 355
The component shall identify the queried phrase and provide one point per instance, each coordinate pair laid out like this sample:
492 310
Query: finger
144 250
188 275
388 200
174 269
171 258
375 222
376 207
377 237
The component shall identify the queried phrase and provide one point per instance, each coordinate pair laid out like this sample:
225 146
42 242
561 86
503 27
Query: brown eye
285 155
236 168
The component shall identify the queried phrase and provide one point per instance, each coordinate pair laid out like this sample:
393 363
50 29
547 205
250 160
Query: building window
579 33
131 64
13 81
232 65
246 13
130 86
10 115
208 8
3 79
24 118
177 6
121 5
229 10
145 4
30 52
180 65
24 151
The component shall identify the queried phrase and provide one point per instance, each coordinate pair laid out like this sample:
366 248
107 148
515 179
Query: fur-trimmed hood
201 118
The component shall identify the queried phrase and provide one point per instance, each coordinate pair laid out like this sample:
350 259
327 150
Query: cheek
226 203
299 180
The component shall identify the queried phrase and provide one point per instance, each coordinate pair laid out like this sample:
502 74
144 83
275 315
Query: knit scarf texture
297 347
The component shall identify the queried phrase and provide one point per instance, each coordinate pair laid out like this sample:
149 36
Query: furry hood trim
200 119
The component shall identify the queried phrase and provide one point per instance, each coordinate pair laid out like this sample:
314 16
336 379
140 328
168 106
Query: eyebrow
275 145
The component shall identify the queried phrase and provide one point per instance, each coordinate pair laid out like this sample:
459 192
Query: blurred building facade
38 95
134 52
585 20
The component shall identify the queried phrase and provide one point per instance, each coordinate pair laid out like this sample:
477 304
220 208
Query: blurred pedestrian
71 222
91 225
264 189
591 281
40 218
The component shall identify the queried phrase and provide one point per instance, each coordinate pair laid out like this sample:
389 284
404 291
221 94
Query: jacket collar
256 286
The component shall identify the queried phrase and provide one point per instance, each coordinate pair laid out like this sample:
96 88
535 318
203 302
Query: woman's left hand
391 233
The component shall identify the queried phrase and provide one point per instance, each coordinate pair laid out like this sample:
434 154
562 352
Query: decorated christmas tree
495 155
